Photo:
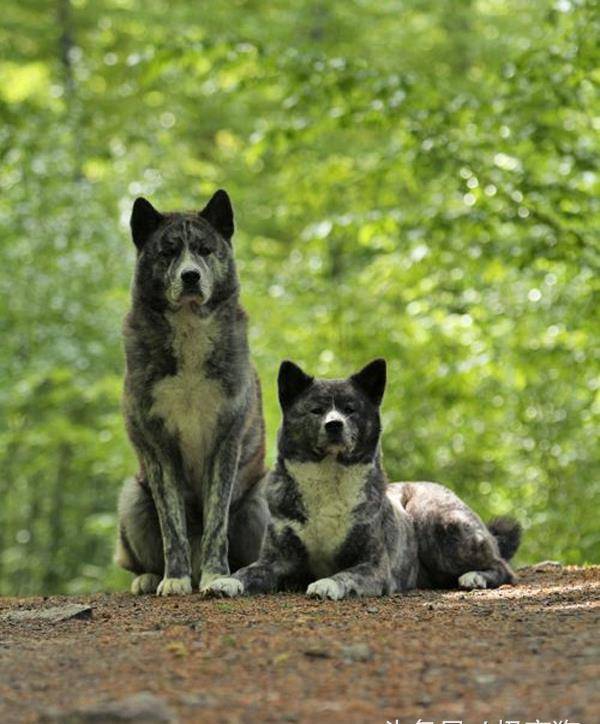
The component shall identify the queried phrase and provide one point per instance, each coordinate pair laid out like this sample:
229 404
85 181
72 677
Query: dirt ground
529 653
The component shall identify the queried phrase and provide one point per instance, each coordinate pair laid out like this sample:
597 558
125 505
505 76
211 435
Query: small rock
200 700
54 614
357 652
178 648
592 651
330 706
372 609
543 566
280 658
317 651
485 679
141 708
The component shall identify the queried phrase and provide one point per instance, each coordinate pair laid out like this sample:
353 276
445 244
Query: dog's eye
200 249
349 409
168 249
316 410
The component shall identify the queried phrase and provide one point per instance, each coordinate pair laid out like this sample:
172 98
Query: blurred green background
414 179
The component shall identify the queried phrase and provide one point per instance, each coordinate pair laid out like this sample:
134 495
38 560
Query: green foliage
416 180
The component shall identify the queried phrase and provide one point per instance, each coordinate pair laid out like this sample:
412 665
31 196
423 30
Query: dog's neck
329 468
290 451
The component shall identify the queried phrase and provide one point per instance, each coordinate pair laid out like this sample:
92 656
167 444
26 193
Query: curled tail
507 532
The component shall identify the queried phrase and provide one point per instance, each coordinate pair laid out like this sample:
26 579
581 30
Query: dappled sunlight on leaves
424 190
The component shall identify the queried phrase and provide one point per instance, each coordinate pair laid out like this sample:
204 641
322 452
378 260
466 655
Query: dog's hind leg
247 526
488 578
468 554
145 583
455 547
507 535
139 545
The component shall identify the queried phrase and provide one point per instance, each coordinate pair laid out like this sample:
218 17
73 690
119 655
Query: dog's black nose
190 278
334 428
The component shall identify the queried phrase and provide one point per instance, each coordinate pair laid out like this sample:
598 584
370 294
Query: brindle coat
192 406
338 529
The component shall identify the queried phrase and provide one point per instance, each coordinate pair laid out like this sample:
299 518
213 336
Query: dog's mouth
187 298
190 297
332 447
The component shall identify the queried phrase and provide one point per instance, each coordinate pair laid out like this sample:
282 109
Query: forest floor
526 653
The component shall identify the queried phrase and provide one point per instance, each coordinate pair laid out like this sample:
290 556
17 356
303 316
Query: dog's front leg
370 578
211 561
170 507
262 576
282 559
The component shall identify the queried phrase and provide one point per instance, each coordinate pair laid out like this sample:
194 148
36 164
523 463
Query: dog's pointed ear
291 382
145 219
371 380
219 214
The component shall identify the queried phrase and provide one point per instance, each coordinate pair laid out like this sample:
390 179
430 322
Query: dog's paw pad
174 586
472 579
146 583
225 587
326 588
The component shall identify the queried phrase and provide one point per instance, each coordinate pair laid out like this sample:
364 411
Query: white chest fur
330 493
189 401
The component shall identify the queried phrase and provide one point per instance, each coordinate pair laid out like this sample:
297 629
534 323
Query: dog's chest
330 493
189 402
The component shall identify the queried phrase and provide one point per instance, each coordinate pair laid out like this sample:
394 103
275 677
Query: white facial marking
189 402
472 579
344 440
188 262
334 416
330 493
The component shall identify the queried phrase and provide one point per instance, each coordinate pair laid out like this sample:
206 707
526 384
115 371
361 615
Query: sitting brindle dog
192 406
338 529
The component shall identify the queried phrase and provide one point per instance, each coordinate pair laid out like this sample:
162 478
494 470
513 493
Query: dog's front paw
174 586
225 587
472 579
146 583
326 588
